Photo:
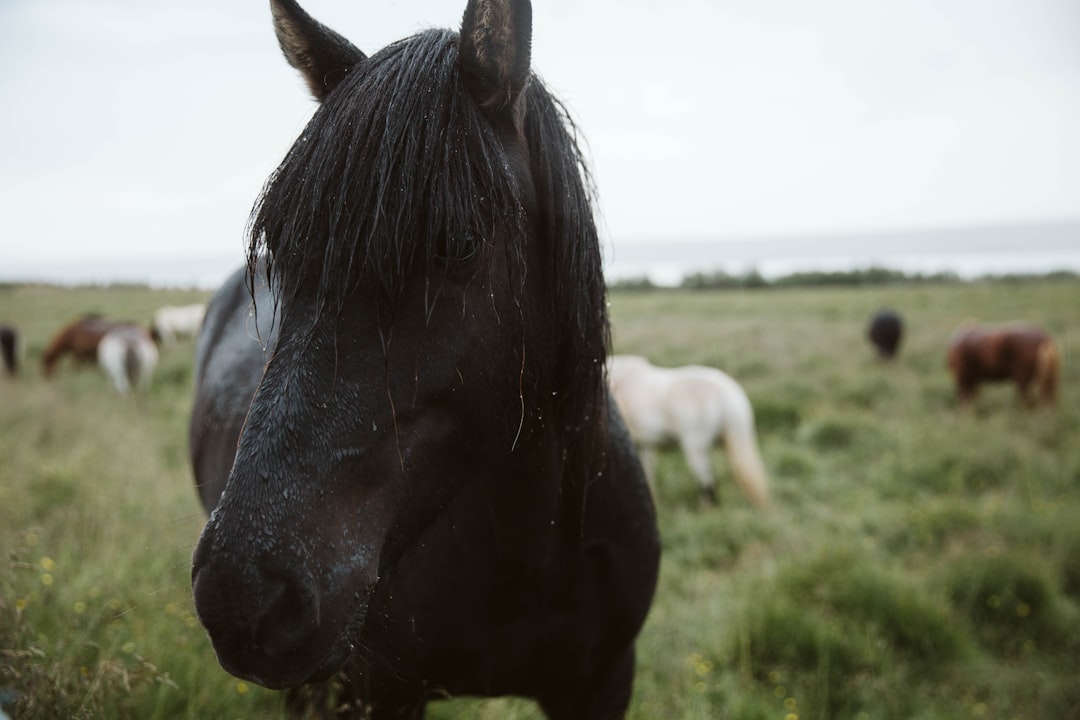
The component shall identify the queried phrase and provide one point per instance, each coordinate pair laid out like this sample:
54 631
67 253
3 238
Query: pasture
917 561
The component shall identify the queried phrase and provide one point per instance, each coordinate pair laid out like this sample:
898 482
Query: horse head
422 319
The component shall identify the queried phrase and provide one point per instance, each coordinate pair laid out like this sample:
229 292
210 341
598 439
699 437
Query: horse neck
539 522
55 351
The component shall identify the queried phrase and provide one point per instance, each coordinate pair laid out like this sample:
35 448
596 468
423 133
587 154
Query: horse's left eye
455 252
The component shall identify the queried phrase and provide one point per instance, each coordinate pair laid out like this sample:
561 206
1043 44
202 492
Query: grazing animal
128 355
9 349
172 323
696 407
79 339
1024 354
418 482
885 333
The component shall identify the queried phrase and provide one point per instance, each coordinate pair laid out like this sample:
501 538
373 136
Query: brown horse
1025 354
79 339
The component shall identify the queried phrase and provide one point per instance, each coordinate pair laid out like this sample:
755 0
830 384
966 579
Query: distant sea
966 252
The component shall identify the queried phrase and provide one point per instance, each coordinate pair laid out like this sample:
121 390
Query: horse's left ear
496 49
321 55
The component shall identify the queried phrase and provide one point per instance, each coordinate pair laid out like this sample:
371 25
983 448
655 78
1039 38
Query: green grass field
918 561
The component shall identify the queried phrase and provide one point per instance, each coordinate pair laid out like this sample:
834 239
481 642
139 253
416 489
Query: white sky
147 128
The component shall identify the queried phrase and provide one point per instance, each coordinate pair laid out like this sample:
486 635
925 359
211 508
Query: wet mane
396 166
399 165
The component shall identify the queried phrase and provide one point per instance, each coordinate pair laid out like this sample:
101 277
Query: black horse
419 484
885 333
9 342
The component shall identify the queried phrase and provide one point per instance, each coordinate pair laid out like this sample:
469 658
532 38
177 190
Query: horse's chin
333 663
290 671
282 678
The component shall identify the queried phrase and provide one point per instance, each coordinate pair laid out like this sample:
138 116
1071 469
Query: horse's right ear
496 51
322 56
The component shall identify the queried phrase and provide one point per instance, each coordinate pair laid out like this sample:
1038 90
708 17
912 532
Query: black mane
396 166
399 165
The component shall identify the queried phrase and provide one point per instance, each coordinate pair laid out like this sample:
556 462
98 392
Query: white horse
128 355
695 406
172 323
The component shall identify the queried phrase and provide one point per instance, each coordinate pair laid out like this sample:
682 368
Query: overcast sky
147 128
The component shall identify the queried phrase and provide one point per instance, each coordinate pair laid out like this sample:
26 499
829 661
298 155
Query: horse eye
451 252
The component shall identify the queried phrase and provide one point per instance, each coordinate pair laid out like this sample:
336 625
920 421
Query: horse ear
322 56
496 47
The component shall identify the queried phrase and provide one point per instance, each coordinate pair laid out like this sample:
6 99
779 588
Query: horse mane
399 165
565 193
396 166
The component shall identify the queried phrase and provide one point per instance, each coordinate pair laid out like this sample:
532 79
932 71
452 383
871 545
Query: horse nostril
256 616
289 614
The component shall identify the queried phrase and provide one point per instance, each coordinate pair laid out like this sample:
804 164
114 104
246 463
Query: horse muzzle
270 621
